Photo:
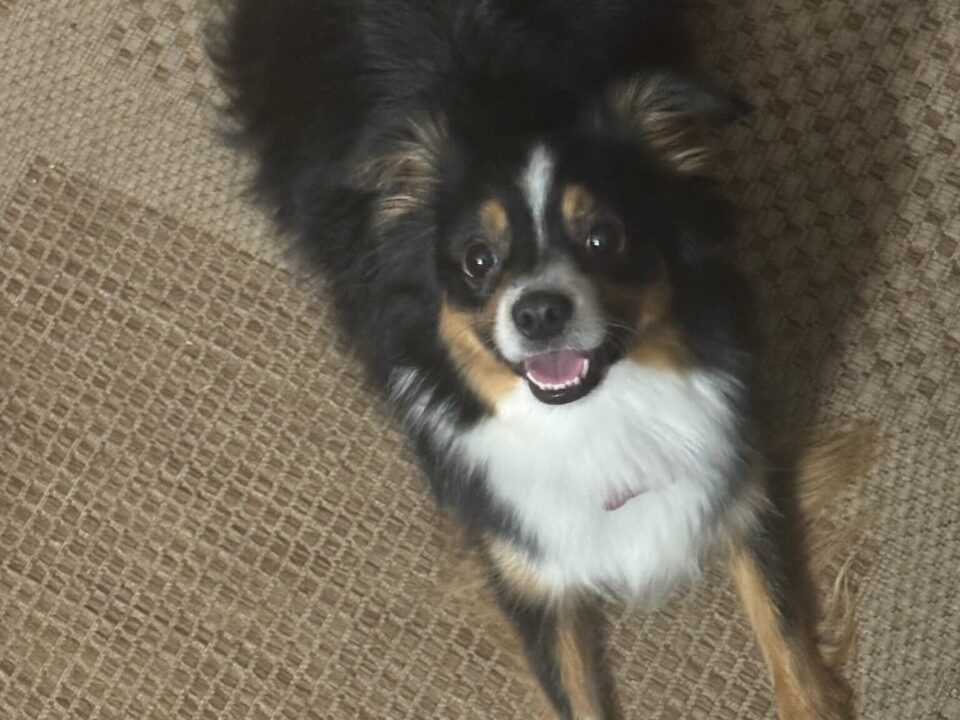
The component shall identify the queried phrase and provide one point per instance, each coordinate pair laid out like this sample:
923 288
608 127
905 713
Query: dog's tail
828 470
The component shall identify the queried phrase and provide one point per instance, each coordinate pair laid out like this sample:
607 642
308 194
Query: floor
203 514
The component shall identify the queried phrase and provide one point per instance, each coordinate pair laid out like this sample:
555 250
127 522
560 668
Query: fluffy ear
672 113
403 170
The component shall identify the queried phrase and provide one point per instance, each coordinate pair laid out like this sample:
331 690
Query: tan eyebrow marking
578 208
493 216
577 201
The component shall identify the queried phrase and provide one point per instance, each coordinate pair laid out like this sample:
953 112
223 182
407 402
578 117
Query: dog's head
558 254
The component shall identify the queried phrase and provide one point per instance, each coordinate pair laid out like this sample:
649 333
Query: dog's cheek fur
643 318
485 374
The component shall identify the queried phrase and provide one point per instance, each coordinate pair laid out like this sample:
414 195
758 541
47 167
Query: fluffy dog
508 200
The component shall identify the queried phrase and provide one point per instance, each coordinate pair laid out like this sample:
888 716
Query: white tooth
559 386
585 369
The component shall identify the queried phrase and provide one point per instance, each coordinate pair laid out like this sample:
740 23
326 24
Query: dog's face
552 271
554 254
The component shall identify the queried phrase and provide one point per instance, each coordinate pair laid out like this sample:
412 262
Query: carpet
203 514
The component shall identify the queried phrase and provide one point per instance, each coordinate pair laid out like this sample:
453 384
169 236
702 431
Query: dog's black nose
542 315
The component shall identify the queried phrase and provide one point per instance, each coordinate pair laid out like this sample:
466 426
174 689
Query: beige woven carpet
202 513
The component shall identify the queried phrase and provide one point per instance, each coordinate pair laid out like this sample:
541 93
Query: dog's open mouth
563 376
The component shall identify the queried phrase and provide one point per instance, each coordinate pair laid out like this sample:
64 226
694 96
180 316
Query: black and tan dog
508 201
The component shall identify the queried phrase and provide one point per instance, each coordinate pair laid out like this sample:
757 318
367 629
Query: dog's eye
605 240
478 260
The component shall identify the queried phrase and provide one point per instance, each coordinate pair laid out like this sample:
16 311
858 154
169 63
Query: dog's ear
672 113
403 170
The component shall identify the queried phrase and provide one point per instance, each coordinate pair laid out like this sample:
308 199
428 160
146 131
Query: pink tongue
555 368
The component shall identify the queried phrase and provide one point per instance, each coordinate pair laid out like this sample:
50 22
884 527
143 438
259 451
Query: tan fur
802 667
406 175
836 625
493 216
577 674
661 349
517 570
574 655
830 463
647 109
486 375
804 687
654 339
579 210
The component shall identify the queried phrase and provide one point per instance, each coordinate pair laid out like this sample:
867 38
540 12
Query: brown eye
605 241
478 260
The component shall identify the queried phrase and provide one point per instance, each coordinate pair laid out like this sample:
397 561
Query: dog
509 200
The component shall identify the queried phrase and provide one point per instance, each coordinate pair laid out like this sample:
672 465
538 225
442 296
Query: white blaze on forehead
536 183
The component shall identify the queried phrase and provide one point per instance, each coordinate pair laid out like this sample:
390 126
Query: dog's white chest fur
669 436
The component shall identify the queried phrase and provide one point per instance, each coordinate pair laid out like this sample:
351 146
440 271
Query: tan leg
804 687
562 639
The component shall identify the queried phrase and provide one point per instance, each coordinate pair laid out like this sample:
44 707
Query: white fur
536 182
420 409
557 467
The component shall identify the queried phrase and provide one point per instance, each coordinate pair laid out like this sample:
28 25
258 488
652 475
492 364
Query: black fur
320 87
326 93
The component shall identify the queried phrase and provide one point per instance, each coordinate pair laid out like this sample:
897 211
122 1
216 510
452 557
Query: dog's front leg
562 639
804 687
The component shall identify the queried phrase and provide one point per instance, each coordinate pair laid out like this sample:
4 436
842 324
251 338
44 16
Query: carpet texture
204 515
